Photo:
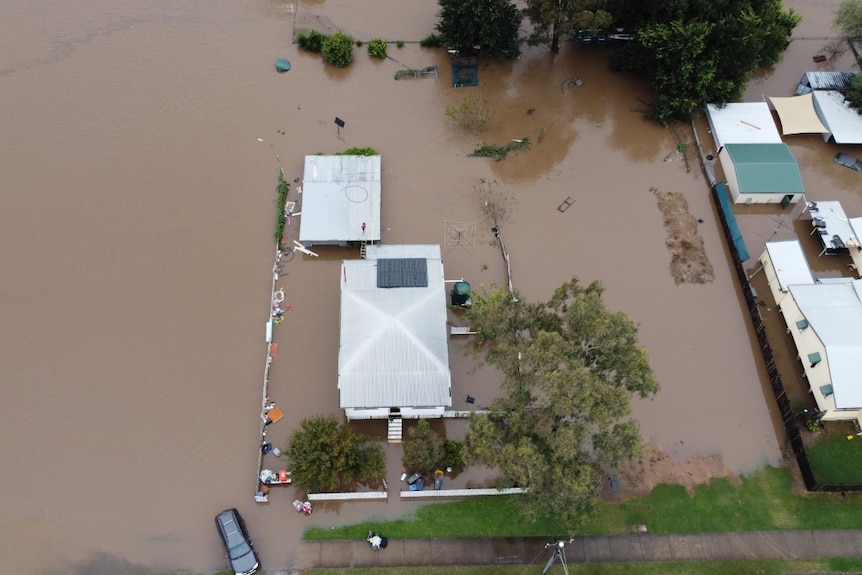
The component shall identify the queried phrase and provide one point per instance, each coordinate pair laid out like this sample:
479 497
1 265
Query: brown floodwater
137 248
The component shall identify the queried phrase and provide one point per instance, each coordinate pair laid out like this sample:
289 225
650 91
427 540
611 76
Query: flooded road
137 247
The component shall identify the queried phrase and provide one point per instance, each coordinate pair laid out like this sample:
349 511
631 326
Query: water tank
461 294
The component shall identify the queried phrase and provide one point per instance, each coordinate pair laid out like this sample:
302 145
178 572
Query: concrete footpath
592 549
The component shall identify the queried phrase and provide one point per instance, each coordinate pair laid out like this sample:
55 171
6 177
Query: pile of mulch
688 263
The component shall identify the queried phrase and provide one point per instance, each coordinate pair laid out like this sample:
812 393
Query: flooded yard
140 165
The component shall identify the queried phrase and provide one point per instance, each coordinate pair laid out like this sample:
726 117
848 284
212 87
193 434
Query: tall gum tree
555 19
570 367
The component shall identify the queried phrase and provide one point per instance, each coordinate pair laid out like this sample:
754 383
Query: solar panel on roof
402 272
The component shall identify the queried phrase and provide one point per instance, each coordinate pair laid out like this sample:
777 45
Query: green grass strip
761 567
762 502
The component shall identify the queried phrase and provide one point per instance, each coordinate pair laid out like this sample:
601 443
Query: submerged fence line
788 417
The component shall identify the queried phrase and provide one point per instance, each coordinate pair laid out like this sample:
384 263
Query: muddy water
137 246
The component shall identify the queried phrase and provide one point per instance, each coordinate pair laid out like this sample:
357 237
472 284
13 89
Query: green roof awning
802 324
814 358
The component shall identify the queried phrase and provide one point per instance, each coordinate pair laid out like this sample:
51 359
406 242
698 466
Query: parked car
237 544
849 162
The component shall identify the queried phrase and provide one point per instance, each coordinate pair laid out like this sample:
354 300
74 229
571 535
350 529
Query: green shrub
377 48
498 153
282 189
360 43
431 41
453 455
338 49
311 42
854 93
400 43
368 151
423 451
470 113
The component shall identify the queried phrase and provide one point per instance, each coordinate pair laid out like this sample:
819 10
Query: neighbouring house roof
824 80
394 348
797 115
765 169
830 222
843 122
340 195
742 123
834 312
788 261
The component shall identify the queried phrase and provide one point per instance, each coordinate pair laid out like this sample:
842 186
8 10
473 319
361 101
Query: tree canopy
848 18
569 368
553 19
487 26
326 455
700 51
854 93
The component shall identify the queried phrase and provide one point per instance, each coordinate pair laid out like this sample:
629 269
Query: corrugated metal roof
825 80
788 260
765 169
340 200
834 312
394 349
843 122
742 123
833 222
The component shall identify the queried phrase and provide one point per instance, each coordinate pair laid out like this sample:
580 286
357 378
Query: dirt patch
638 477
688 263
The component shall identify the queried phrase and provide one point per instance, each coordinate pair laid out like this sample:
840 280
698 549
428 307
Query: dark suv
240 552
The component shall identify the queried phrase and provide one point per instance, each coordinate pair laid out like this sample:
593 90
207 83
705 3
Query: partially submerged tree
487 26
326 455
848 19
704 50
569 368
553 19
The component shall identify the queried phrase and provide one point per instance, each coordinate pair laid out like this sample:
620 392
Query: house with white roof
831 225
784 264
393 358
824 318
340 200
742 123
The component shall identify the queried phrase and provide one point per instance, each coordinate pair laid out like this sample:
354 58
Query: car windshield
240 550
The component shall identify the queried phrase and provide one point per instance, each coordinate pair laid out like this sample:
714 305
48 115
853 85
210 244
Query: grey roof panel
402 272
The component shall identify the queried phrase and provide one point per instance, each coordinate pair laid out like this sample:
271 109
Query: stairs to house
395 429
362 249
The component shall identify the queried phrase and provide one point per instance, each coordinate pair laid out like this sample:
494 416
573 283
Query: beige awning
797 115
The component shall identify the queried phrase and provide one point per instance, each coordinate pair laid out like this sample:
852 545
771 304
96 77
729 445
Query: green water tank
461 294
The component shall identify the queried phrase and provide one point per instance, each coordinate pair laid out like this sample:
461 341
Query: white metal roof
394 348
339 195
834 312
844 124
742 123
834 221
788 260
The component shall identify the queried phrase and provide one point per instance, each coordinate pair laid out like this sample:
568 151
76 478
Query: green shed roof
765 169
